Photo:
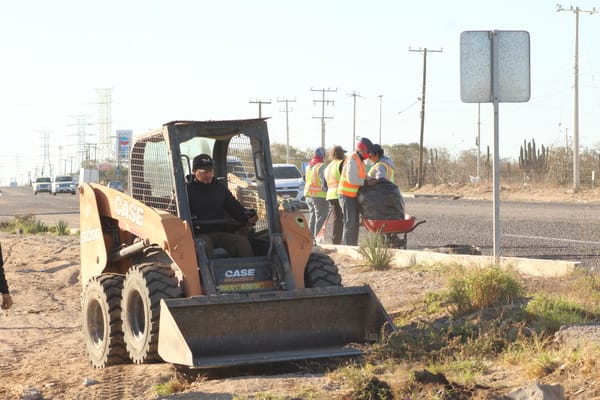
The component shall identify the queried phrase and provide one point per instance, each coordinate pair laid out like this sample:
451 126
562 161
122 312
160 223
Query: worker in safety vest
353 177
382 167
5 299
333 172
314 191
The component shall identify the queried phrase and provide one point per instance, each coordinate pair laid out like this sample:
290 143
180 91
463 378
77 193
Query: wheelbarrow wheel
394 241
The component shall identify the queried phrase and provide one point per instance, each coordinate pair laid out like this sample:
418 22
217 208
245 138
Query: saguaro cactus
530 159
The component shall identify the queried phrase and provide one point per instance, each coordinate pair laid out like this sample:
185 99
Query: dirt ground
42 353
41 345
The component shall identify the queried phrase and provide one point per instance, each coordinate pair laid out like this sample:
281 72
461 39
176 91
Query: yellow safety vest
389 171
345 187
313 186
332 177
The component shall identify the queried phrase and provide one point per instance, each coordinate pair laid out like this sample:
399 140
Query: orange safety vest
332 176
313 186
345 187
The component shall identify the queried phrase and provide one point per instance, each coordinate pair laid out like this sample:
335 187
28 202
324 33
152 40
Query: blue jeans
351 222
317 213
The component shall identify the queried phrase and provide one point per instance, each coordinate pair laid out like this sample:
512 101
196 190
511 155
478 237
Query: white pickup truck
62 184
42 184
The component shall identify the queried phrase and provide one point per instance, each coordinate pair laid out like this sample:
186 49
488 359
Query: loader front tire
102 331
145 285
321 271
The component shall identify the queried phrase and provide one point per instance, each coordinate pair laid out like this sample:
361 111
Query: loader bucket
238 329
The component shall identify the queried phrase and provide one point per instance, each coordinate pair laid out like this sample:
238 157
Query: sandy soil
42 354
41 344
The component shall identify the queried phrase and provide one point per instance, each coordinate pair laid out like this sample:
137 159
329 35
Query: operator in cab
211 200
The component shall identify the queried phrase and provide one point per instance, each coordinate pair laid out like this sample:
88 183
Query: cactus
530 159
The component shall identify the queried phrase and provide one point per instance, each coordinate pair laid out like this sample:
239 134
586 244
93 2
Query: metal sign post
495 68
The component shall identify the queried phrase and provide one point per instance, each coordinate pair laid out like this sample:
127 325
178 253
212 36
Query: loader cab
160 169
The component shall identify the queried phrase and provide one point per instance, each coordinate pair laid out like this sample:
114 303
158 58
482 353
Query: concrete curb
526 266
432 196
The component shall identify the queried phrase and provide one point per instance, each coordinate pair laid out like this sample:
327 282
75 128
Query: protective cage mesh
152 175
241 178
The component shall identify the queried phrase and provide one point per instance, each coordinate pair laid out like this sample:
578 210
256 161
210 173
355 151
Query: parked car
289 182
42 184
117 185
62 184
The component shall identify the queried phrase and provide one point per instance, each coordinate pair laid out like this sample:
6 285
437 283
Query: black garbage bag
381 201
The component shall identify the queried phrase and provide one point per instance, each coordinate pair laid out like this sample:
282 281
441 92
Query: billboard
123 145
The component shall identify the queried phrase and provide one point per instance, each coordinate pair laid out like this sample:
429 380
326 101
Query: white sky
196 59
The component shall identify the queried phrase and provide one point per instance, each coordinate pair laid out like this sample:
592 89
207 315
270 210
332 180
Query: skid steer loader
151 293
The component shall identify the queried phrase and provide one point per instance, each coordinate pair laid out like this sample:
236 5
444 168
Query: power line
323 104
260 103
287 127
420 171
577 11
354 95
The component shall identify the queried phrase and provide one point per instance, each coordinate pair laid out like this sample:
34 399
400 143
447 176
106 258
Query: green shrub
170 387
375 251
482 288
62 228
548 313
28 224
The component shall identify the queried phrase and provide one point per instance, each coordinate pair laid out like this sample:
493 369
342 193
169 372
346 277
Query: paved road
47 208
565 231
537 230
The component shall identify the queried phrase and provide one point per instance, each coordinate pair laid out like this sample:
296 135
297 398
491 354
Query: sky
209 60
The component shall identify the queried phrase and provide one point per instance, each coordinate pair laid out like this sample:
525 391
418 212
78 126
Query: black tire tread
161 283
111 285
321 271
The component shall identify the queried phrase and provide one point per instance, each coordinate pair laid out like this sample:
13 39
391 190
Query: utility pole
323 104
287 128
576 10
380 107
260 103
424 51
354 95
478 139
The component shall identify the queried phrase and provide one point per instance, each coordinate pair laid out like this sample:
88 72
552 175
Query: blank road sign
495 65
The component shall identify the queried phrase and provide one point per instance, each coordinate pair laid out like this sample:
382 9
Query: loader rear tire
145 285
321 271
102 331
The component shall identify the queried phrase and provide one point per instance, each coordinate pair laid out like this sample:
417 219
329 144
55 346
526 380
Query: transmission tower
81 123
287 127
46 158
105 148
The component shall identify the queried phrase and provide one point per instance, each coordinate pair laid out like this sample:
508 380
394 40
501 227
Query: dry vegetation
487 347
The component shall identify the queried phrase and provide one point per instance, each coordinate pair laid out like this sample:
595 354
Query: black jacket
3 284
214 201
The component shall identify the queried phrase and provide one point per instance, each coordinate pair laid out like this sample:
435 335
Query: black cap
202 161
377 149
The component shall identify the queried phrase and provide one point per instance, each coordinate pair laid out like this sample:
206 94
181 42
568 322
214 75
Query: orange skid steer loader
151 293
